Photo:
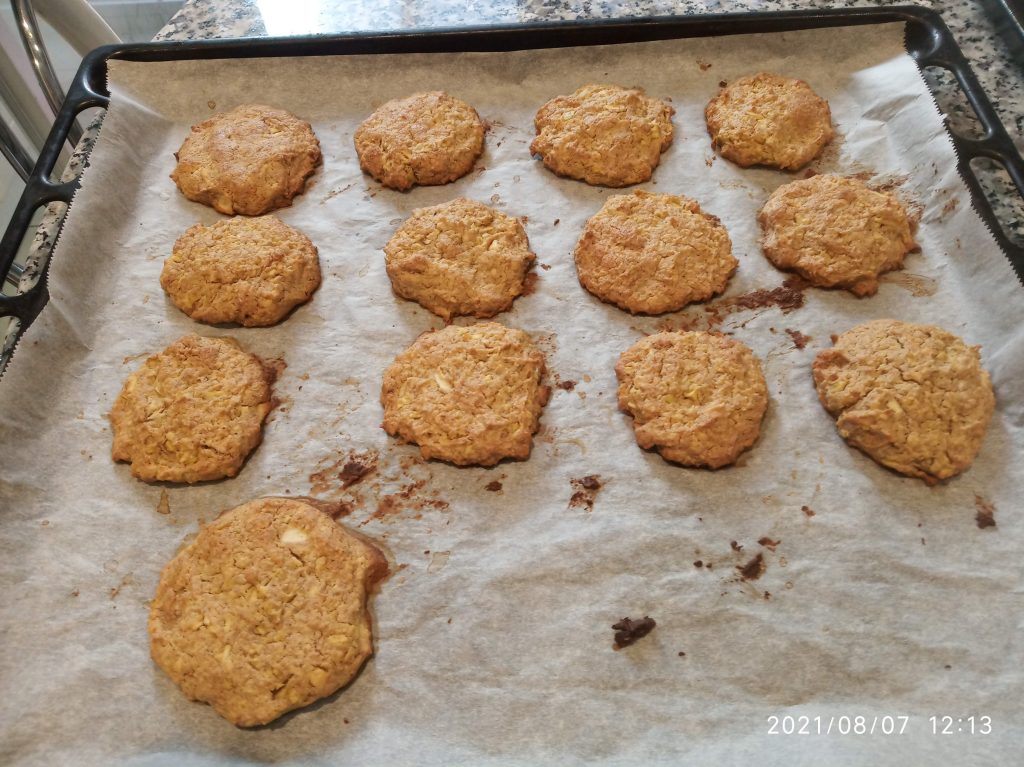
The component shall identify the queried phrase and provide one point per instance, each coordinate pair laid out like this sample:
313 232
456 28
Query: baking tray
928 40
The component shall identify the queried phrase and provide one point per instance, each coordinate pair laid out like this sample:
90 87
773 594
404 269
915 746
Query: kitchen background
131 20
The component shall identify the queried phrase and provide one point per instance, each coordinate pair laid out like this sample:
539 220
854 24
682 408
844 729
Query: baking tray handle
23 298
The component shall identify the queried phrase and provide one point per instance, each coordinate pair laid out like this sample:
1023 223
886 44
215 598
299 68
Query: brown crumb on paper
768 543
799 339
585 490
494 486
807 510
735 546
354 471
986 516
753 569
163 506
628 631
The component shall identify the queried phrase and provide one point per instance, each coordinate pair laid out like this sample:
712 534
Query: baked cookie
250 160
192 412
427 139
765 119
468 395
603 134
835 232
653 253
459 258
250 271
697 398
266 610
913 397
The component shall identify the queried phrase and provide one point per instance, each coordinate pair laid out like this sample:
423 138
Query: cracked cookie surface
653 253
266 610
913 397
249 271
250 160
192 412
603 134
459 258
697 398
765 119
835 232
468 395
428 139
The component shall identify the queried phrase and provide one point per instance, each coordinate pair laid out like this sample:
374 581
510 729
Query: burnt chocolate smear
986 516
566 385
768 543
354 471
787 297
753 569
585 490
799 339
347 470
628 631
530 284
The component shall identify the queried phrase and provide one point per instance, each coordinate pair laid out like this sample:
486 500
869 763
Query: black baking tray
928 41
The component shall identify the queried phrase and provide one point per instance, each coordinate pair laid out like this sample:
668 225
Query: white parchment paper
493 644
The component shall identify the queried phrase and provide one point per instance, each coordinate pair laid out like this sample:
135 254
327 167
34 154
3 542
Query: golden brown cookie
250 271
765 119
459 258
653 253
835 232
697 398
913 397
427 139
468 395
192 412
266 610
603 134
250 160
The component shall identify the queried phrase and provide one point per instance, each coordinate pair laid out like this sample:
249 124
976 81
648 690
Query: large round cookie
266 610
765 119
459 258
913 397
427 138
603 134
192 412
697 398
653 253
468 395
835 232
250 160
250 271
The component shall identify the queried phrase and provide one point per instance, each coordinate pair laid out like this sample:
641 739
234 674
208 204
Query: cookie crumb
586 490
753 569
986 513
628 631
